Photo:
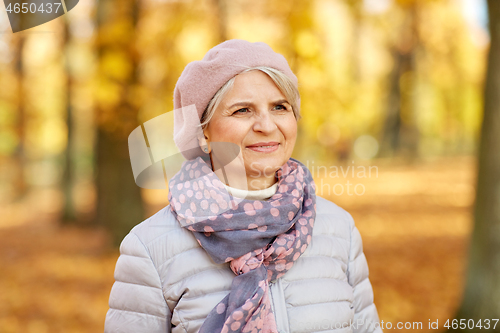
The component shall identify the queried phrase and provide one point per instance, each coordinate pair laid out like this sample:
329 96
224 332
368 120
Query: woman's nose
264 122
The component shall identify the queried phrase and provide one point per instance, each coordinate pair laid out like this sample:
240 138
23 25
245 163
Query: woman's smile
264 147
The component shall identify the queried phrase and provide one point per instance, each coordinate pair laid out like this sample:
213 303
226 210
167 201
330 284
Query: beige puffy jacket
166 282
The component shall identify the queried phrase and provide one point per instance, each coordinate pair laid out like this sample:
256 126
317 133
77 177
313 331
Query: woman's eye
280 107
240 111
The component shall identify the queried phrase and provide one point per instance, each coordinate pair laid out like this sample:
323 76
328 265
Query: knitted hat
201 79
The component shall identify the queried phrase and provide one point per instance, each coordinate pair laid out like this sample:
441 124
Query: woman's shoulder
160 237
327 207
158 225
332 219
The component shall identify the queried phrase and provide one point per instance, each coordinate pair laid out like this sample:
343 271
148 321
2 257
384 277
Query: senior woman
258 253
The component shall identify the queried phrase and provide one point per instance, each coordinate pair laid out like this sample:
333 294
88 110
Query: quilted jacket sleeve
136 302
365 316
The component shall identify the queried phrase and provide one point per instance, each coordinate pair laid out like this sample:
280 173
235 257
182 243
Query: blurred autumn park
400 86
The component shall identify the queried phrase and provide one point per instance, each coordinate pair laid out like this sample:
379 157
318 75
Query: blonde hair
283 82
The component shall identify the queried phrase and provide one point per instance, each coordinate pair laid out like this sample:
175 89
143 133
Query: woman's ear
204 144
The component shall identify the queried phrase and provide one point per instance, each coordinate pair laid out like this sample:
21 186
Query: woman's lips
264 147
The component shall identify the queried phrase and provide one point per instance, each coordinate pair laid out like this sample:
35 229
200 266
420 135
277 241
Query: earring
205 150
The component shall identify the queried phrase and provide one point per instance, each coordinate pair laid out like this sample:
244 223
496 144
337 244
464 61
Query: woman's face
256 116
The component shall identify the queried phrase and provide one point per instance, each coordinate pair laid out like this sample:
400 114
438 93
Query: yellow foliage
107 94
116 64
307 44
193 42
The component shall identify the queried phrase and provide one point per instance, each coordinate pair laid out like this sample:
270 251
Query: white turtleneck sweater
254 194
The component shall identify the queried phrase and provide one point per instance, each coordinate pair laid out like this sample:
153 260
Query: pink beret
201 79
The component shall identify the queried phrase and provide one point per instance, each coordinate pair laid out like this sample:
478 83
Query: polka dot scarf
260 239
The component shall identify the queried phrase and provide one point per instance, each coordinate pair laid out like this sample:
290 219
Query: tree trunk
400 134
20 186
119 202
482 290
68 178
